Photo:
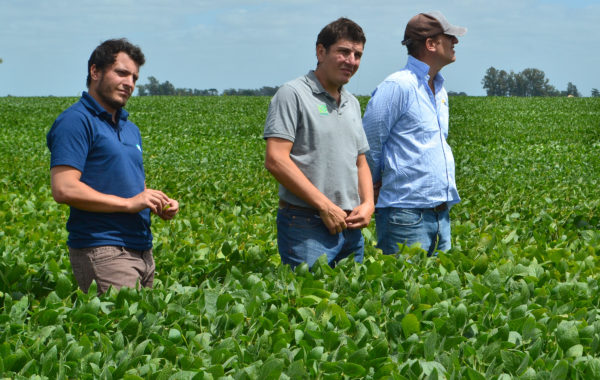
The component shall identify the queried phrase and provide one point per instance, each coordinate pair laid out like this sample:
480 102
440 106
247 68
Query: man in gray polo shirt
316 150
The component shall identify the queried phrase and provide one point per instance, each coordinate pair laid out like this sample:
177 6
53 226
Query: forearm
287 173
79 195
281 166
361 215
365 183
68 188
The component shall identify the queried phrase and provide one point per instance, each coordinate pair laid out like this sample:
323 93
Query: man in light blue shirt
406 123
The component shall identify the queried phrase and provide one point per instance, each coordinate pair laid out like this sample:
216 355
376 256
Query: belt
284 204
440 207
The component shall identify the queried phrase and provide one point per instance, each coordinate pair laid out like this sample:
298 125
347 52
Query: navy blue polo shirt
109 158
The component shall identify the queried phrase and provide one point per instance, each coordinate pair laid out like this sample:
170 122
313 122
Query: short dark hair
106 54
342 28
415 47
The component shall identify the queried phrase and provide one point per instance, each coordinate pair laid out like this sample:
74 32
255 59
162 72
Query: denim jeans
412 225
303 237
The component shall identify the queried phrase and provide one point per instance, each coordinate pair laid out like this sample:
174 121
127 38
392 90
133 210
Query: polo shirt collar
93 106
422 70
317 87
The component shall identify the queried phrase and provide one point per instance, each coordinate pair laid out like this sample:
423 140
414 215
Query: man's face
445 48
113 86
339 63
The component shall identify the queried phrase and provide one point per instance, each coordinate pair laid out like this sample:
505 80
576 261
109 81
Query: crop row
516 297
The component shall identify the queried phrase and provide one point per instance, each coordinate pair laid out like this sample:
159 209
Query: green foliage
516 297
529 82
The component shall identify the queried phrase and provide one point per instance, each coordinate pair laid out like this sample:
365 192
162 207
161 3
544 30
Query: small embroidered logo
139 147
323 109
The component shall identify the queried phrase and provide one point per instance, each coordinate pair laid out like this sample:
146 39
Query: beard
105 92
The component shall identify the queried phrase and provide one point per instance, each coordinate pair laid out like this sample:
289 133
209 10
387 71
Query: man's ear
321 52
431 44
94 72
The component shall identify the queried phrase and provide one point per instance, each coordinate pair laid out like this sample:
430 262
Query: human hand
334 219
169 210
155 200
360 217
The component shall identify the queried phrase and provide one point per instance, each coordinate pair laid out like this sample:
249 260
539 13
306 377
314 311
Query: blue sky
249 44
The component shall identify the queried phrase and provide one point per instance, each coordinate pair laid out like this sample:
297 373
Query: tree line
154 87
529 82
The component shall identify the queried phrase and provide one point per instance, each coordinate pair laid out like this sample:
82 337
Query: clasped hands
336 220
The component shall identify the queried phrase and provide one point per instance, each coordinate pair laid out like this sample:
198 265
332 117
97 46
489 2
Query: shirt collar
91 104
317 87
422 70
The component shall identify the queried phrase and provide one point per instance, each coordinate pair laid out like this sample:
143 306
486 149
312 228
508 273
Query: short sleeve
282 117
69 140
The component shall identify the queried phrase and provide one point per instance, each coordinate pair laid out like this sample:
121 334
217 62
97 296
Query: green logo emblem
323 109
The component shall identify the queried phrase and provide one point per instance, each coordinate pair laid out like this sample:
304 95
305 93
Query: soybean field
518 295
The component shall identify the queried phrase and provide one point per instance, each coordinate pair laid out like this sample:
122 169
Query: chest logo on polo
323 109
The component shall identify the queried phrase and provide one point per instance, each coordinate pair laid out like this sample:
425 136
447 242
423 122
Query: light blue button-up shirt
407 126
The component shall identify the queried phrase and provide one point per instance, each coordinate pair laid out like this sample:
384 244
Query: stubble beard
105 92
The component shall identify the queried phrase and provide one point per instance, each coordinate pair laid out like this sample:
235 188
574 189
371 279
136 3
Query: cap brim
457 31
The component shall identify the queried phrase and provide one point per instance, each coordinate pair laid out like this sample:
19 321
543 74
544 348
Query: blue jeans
412 225
303 237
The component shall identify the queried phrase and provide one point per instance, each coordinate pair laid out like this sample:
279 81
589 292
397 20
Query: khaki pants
112 265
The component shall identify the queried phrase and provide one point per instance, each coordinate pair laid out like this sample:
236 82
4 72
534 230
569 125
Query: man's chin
116 104
344 80
120 102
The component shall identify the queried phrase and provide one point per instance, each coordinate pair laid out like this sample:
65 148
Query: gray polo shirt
327 138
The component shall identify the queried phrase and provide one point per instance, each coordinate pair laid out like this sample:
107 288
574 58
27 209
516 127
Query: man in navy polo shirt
97 169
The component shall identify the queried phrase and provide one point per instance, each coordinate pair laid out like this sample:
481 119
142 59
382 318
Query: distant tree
490 81
595 92
503 83
572 90
209 92
529 82
516 84
496 82
536 83
0 60
454 93
166 88
263 91
154 87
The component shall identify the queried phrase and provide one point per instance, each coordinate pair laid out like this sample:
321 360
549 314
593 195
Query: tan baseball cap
425 25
